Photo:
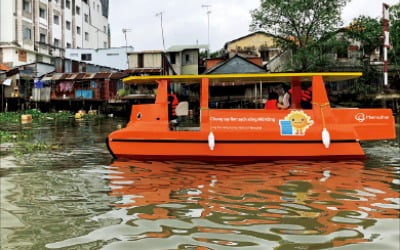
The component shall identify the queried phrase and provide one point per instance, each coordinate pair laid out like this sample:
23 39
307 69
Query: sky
186 22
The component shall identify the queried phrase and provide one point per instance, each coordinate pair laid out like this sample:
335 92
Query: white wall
7 24
12 22
79 23
110 57
95 26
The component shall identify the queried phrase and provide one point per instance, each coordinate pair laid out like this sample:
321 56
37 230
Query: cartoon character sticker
295 123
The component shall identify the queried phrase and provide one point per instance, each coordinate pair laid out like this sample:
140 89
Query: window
85 1
105 29
86 57
68 3
265 55
188 58
173 57
86 18
42 38
56 42
105 44
42 13
68 25
27 6
27 33
140 60
56 19
68 45
78 30
78 10
86 36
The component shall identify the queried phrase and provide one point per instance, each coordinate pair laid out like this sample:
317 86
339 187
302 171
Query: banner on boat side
295 123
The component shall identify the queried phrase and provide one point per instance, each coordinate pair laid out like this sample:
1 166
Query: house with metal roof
236 64
184 59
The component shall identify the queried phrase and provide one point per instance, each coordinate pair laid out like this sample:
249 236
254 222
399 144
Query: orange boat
213 122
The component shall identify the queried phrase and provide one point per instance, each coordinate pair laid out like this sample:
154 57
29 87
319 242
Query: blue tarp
39 84
82 93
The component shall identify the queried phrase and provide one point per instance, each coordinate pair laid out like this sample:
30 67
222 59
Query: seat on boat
182 109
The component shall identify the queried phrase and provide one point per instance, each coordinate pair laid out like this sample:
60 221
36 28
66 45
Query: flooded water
74 196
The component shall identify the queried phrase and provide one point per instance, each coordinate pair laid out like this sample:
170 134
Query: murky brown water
75 197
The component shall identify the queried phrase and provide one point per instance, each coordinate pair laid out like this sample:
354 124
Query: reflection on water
280 205
75 199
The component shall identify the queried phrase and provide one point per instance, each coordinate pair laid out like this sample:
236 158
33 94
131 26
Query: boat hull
230 150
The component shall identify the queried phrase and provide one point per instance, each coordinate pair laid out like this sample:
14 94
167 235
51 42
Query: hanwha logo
360 117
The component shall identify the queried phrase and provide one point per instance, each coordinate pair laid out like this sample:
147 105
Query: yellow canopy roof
264 77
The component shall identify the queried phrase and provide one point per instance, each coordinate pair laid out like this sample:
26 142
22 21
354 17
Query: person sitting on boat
284 97
272 102
172 103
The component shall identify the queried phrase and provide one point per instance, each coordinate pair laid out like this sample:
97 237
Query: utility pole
207 6
386 44
126 45
162 29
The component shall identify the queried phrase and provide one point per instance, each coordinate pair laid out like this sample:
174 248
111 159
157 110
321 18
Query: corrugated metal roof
47 78
80 76
68 76
118 75
57 76
102 75
177 48
88 76
143 70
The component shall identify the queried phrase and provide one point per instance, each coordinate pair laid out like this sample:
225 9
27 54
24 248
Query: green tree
367 31
394 52
303 26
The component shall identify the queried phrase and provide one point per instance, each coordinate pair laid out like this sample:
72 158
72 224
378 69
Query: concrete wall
150 60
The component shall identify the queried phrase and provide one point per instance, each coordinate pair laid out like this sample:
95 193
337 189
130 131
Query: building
151 62
177 60
234 65
256 44
184 59
39 30
108 57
